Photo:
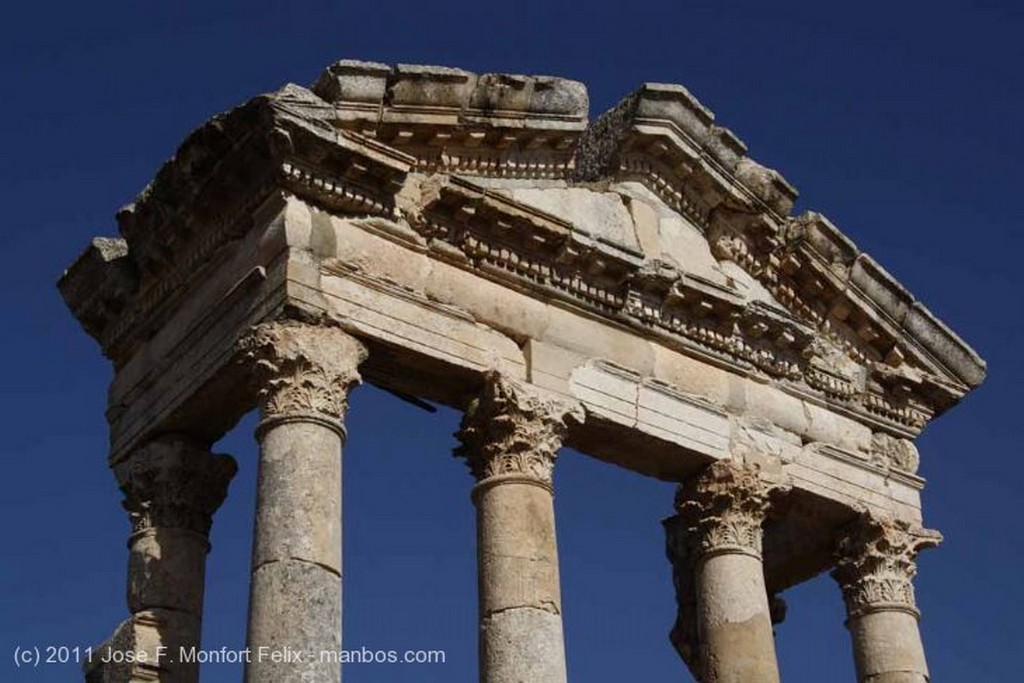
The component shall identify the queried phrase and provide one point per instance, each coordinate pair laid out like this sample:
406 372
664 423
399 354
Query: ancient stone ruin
633 286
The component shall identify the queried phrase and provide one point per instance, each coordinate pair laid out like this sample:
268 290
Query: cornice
489 233
845 333
664 138
456 121
207 195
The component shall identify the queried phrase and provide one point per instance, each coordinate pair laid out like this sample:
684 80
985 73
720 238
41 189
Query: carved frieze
875 563
173 482
302 369
513 428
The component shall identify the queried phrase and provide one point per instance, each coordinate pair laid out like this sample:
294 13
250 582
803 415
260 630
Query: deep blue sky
900 121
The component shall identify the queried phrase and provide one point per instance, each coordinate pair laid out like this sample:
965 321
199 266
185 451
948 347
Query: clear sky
900 121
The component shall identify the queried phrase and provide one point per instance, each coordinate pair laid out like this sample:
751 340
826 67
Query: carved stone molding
174 483
362 141
515 429
875 564
894 452
725 506
303 370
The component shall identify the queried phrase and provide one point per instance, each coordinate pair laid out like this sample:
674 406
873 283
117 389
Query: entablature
372 141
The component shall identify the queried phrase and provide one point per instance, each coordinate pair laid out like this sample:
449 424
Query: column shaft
172 487
887 648
510 436
734 624
520 603
715 546
295 595
304 373
875 567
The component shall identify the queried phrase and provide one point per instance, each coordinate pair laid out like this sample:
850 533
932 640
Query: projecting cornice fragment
501 125
663 136
99 284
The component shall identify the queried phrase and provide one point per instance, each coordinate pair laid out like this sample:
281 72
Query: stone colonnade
724 630
510 437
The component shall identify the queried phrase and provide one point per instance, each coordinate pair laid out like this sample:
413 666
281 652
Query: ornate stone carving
302 369
515 429
174 482
725 506
891 451
875 563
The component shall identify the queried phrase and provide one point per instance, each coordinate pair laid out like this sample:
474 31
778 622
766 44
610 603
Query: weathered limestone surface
443 230
510 438
172 487
875 568
304 373
724 629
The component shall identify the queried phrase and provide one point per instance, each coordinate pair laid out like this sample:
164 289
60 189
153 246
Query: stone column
172 487
715 545
875 569
510 437
305 374
681 549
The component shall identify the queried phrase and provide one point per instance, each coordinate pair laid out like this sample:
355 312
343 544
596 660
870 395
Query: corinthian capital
875 563
174 482
725 506
302 370
514 428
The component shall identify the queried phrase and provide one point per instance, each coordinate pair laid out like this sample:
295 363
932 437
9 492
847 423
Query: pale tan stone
875 568
172 487
638 268
510 438
304 373
715 544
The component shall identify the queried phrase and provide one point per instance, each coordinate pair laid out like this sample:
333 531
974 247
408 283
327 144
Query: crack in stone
313 563
546 606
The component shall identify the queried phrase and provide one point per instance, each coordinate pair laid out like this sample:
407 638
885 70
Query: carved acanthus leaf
302 369
875 563
725 506
173 482
512 428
